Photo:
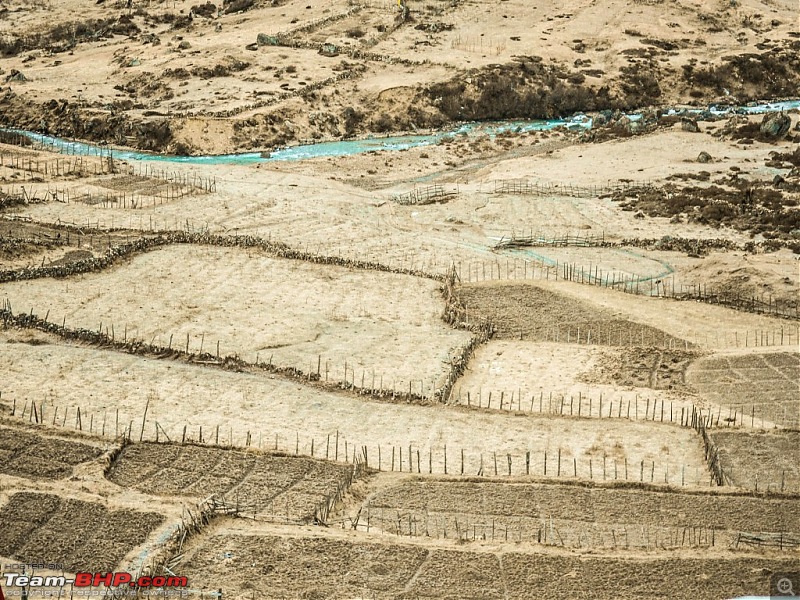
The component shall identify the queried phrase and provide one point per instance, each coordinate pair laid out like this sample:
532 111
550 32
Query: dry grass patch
768 461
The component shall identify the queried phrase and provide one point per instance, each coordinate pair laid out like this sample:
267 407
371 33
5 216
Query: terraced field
27 454
255 483
82 536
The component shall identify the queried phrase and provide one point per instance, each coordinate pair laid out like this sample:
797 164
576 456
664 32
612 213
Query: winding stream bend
306 151
370 144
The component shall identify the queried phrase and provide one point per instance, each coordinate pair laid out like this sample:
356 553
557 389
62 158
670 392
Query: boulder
704 157
16 76
775 125
690 124
266 40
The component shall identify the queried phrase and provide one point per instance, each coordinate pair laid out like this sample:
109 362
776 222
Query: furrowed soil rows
767 461
33 456
573 515
528 312
83 536
320 319
289 486
762 387
285 565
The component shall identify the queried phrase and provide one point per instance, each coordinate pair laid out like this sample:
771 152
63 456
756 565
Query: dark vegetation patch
527 88
223 69
208 10
234 6
65 119
744 205
66 35
749 76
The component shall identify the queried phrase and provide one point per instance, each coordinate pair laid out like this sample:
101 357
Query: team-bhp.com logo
90 580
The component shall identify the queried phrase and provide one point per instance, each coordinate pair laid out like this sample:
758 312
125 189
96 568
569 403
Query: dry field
26 454
605 515
588 381
598 444
318 319
178 395
286 564
763 461
528 312
80 535
761 387
257 484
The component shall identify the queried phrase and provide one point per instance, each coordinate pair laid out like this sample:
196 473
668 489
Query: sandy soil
557 373
707 326
295 312
191 395
144 84
360 223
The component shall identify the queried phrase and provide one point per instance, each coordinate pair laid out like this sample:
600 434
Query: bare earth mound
83 536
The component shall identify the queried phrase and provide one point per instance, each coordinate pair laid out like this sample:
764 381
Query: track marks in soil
643 367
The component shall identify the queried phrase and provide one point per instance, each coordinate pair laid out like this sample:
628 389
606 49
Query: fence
81 165
544 530
77 166
522 187
564 241
432 194
642 285
781 541
661 410
555 463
